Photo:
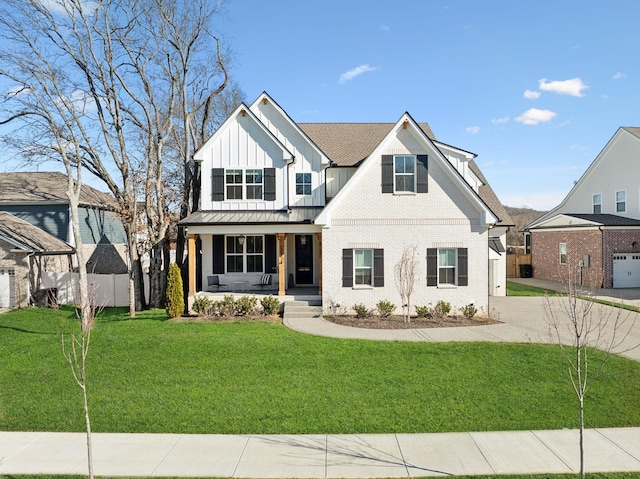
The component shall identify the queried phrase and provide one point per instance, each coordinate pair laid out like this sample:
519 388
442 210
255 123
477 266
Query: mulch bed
398 322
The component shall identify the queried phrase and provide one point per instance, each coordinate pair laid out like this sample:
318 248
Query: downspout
602 243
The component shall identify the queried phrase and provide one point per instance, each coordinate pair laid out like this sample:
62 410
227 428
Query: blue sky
535 89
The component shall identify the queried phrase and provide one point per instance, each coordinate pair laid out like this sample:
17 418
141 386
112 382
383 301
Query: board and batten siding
243 145
307 156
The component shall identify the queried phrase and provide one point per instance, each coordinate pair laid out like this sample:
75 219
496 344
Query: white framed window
597 203
303 184
563 253
447 262
363 267
233 181
404 171
245 254
621 201
253 179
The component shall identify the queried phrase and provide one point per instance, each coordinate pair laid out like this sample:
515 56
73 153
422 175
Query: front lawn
519 289
152 375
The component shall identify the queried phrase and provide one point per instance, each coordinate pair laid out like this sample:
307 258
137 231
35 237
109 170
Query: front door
304 259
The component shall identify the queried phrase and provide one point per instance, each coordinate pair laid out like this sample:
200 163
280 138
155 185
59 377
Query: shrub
385 308
270 305
226 306
423 311
202 305
246 305
175 294
441 309
469 311
361 310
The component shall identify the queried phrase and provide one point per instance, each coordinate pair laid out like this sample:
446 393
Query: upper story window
563 253
597 203
621 201
243 184
303 184
404 173
254 184
233 180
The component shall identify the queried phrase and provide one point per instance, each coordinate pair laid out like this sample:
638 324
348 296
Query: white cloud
385 28
573 87
63 6
534 116
472 130
499 121
78 102
351 74
531 95
618 76
16 91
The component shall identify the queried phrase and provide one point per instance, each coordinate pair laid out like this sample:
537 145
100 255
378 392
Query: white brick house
331 207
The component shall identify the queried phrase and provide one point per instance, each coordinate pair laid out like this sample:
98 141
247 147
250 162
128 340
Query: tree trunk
156 276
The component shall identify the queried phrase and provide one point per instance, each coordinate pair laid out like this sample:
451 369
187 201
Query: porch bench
265 282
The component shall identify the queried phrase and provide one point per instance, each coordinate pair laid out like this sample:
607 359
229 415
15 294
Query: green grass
150 375
518 289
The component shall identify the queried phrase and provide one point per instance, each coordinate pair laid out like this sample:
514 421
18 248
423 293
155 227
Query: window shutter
463 268
378 268
269 184
387 173
218 254
217 184
347 268
422 171
271 254
432 266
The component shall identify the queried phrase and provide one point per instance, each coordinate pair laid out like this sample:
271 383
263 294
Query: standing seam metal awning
496 245
292 216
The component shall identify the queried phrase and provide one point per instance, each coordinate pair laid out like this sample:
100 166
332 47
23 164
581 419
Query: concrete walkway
320 456
359 455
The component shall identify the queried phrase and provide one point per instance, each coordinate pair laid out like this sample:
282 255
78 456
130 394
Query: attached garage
7 288
626 270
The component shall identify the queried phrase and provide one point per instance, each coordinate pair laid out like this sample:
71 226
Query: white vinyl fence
105 290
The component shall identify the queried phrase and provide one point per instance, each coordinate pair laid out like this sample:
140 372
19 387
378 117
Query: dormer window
303 184
233 181
254 184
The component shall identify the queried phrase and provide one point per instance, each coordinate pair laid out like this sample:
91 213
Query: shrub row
230 306
385 308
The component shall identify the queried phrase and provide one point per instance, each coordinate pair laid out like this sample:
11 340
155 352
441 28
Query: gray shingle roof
28 187
30 238
347 144
635 131
605 219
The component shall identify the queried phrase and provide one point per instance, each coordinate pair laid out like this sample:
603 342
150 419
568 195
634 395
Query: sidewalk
320 456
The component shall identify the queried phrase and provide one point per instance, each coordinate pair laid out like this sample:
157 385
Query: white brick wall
443 217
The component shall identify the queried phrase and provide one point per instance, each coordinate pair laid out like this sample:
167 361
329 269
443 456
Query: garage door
626 271
7 288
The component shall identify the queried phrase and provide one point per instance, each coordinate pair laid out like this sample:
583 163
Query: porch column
319 236
191 251
281 272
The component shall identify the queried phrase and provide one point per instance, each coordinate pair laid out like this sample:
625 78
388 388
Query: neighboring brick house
332 206
40 198
25 253
593 236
